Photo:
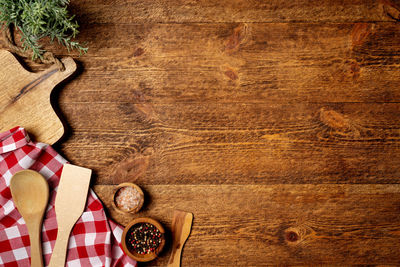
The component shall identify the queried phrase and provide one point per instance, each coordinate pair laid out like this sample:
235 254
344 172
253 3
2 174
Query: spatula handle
175 258
34 229
60 248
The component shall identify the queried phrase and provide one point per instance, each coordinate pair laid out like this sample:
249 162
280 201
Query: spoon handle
34 229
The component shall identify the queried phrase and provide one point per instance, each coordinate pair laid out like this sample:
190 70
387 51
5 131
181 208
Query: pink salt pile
127 198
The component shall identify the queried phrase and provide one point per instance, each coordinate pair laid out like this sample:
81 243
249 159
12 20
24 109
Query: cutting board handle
54 76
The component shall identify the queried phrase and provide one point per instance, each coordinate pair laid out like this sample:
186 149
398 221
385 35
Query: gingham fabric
94 241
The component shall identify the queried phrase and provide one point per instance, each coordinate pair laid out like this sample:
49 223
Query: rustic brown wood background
275 122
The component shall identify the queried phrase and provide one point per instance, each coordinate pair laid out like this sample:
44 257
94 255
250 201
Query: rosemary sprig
36 19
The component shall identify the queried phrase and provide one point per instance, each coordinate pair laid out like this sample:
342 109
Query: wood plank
253 62
278 224
236 143
147 11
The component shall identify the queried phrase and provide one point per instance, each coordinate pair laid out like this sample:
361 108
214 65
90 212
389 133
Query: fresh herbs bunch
36 19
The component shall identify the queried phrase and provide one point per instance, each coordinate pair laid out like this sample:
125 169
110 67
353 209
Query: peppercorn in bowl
143 239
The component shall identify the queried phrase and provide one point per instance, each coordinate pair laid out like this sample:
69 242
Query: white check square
12 232
20 253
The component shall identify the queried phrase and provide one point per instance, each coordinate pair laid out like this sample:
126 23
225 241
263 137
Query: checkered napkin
94 241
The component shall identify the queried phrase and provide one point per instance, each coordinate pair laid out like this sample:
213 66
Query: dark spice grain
143 238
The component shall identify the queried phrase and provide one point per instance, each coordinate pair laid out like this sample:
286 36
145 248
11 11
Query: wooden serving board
25 98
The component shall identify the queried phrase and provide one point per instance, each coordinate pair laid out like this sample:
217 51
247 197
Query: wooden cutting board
25 98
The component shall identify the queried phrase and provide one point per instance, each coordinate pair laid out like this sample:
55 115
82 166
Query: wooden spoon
181 227
30 193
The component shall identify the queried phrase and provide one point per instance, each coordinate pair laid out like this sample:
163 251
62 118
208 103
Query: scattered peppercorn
143 238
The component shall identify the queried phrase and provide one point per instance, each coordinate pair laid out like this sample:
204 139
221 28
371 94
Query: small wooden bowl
137 256
141 199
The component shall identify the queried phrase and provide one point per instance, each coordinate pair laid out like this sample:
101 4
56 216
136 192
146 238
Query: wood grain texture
275 122
25 98
302 143
147 11
279 224
240 62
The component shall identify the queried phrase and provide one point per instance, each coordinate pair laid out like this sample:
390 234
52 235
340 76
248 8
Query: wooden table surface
277 123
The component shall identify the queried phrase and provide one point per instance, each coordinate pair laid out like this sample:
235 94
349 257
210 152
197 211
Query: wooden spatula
181 226
70 203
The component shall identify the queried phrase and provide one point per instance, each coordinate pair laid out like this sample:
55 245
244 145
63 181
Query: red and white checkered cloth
95 239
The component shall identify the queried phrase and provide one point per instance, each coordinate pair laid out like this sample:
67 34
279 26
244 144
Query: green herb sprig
36 19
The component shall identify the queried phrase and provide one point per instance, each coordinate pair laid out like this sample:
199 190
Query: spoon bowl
30 193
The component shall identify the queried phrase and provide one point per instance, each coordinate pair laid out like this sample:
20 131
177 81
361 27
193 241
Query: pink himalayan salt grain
127 198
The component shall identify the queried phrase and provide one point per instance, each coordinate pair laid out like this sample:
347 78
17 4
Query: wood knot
138 52
349 70
355 70
130 168
334 120
337 125
298 234
292 236
360 33
230 73
239 36
145 108
390 9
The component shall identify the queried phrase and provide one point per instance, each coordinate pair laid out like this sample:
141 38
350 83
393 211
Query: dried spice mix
143 238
